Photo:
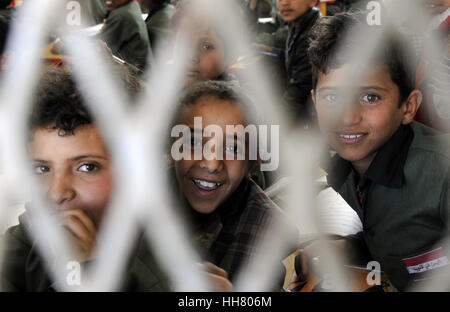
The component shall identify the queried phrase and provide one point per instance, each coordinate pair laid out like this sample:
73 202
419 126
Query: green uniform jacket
93 10
126 34
22 268
158 26
407 219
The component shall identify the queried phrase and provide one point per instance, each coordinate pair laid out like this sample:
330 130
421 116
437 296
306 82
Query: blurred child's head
210 55
208 182
436 6
114 4
292 10
385 96
67 148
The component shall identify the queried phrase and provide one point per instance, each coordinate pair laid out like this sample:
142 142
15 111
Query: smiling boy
392 171
230 213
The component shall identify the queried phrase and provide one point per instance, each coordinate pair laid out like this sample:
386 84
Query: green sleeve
15 253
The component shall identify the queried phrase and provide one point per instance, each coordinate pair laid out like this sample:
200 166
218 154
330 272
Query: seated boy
392 171
300 16
211 56
125 32
73 161
229 211
160 14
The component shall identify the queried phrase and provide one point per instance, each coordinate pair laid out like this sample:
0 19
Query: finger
83 217
219 283
214 269
76 228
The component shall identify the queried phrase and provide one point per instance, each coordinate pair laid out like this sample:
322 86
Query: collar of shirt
387 166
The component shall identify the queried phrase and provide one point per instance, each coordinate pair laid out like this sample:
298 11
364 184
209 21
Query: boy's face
113 4
436 6
208 183
76 169
290 10
208 58
357 131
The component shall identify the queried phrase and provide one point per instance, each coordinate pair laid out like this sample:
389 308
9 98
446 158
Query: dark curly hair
330 34
59 104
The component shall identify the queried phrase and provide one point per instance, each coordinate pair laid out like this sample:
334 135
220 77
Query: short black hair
59 103
223 90
330 33
4 30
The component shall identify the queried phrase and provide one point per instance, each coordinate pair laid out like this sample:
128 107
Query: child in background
125 32
300 16
211 57
160 14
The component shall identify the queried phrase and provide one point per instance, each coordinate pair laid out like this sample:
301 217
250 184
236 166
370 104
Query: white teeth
350 136
207 184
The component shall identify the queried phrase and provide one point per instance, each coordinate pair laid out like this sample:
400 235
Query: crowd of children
392 170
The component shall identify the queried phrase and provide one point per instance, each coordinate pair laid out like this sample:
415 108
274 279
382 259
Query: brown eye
41 169
370 98
89 168
207 46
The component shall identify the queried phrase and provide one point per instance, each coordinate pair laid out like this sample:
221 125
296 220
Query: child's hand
82 231
217 277
312 259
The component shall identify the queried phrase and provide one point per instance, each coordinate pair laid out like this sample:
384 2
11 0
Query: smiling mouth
207 185
352 138
192 73
286 12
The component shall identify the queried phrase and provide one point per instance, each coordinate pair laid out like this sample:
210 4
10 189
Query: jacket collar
387 166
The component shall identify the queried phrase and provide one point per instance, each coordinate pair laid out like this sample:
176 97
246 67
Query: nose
351 115
61 190
282 3
212 160
195 58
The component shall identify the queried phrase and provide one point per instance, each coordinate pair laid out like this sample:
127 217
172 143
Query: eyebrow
360 88
77 158
234 137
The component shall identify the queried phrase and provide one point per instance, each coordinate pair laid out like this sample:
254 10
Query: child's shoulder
130 12
18 233
428 141
257 197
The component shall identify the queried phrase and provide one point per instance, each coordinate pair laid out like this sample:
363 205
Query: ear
253 165
411 106
313 96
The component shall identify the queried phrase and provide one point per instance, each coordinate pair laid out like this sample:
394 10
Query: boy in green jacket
392 171
125 32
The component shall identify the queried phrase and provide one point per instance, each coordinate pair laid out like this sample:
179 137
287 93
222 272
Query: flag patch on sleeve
427 261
